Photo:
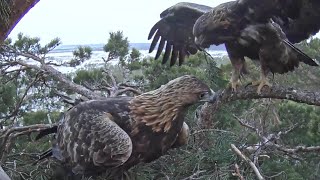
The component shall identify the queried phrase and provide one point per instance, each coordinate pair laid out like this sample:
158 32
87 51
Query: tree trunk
17 9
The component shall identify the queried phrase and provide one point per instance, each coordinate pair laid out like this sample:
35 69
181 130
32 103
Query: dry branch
13 132
247 160
267 141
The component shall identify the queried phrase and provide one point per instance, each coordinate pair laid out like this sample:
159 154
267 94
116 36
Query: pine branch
276 92
250 92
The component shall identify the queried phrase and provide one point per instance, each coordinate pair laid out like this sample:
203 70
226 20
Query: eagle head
158 108
184 91
213 27
190 90
201 30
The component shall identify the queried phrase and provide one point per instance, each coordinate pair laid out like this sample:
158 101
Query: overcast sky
89 22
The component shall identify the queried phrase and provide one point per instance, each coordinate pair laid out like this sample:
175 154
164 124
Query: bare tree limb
267 141
18 131
247 160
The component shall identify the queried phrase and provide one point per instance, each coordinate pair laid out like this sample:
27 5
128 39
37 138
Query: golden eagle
262 30
118 133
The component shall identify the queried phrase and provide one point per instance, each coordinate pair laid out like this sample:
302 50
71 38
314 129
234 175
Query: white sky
90 21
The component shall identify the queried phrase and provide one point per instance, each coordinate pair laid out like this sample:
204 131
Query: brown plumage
262 30
117 133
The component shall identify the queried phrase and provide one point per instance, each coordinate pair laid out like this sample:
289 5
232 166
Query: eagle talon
234 85
261 84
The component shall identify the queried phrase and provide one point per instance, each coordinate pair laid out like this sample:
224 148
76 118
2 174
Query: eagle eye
202 95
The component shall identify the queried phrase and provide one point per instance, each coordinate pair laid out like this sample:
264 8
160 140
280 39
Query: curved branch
250 92
276 92
7 134
127 89
17 10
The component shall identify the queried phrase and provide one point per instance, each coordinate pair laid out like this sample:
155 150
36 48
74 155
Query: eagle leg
235 77
263 81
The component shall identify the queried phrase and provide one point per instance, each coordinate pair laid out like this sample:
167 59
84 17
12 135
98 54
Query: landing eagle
118 133
263 30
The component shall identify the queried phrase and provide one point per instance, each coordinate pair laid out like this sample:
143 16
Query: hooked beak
210 97
200 42
213 97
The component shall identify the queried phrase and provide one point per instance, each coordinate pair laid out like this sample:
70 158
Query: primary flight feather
263 30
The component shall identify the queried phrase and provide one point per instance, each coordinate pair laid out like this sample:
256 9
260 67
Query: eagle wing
175 31
89 138
299 19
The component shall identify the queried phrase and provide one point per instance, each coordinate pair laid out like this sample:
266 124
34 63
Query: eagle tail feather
301 55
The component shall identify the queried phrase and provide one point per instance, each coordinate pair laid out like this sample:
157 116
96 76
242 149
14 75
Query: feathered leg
237 68
238 64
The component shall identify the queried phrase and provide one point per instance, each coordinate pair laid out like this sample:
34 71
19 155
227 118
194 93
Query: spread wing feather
174 31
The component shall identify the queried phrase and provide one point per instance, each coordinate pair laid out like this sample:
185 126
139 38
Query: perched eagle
262 30
118 133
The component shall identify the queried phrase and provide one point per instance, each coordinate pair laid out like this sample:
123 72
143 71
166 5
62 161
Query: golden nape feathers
160 107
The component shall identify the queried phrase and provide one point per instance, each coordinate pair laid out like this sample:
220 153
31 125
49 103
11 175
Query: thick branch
276 92
57 75
250 92
68 84
18 9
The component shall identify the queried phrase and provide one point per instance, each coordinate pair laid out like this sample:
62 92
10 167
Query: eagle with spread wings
262 30
117 133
